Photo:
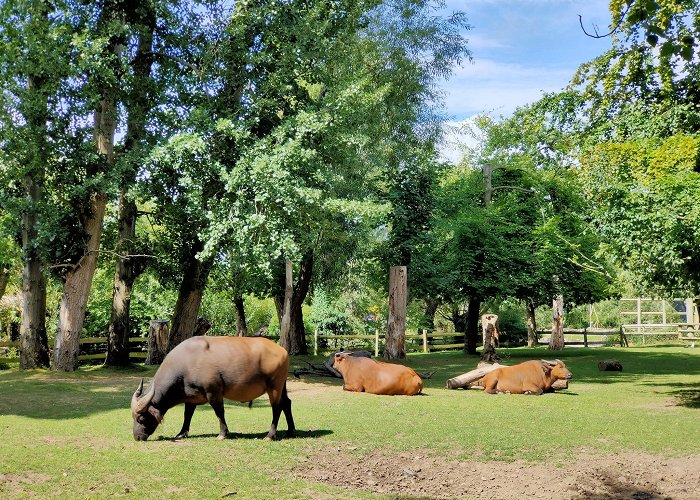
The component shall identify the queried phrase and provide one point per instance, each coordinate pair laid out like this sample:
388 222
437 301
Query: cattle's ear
546 368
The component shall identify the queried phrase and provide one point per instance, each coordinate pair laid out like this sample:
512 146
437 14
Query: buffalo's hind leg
189 411
217 402
287 409
279 402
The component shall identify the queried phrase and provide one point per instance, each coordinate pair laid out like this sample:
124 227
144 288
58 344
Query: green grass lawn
69 435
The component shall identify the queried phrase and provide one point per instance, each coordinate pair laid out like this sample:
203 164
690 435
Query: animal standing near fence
209 369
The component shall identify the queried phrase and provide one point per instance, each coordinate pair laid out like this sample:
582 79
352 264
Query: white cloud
499 88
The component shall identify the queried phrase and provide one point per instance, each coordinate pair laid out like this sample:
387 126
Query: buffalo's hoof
269 438
182 435
221 436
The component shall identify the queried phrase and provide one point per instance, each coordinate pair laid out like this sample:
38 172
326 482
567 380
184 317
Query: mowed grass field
69 435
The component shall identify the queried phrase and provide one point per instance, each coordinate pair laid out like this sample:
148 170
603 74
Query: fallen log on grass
472 379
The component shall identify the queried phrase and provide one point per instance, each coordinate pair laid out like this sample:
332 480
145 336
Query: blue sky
520 49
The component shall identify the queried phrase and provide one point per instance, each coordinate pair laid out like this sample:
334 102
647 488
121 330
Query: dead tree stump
490 334
158 334
609 365
202 327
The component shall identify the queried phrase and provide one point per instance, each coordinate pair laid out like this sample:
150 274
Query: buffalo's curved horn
551 363
140 403
559 361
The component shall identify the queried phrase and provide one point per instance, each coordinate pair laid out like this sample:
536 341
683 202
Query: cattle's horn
139 404
552 363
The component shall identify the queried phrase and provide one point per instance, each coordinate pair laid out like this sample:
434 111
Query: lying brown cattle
362 374
530 377
209 369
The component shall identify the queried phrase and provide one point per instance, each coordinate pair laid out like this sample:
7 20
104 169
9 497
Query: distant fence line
428 342
420 342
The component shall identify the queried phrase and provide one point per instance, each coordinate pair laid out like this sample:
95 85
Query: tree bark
531 323
78 280
471 331
556 341
285 313
33 339
76 289
189 299
294 340
431 306
490 333
157 341
395 346
129 268
4 278
241 325
470 377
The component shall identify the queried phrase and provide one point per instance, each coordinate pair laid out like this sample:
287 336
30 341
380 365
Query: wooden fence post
585 337
376 342
316 342
425 340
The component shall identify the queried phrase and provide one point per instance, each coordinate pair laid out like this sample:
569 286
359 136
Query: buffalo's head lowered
145 416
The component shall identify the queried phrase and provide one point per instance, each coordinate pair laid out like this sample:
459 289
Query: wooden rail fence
92 343
426 343
685 332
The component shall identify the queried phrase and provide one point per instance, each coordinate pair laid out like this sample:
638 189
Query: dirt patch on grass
15 484
634 476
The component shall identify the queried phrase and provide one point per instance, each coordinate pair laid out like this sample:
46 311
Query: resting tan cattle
368 375
530 377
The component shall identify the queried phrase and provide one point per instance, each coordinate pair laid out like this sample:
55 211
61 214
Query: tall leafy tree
639 120
316 128
32 65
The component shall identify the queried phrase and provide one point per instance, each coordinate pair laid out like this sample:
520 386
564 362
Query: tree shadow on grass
690 398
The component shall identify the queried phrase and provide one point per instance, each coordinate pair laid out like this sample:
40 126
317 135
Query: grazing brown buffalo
209 369
530 377
362 374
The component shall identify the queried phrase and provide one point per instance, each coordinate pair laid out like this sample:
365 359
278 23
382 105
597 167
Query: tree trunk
78 280
556 342
490 333
431 306
241 325
294 341
129 268
531 323
471 331
189 298
459 319
285 313
157 341
33 339
4 278
76 289
395 346
125 274
465 379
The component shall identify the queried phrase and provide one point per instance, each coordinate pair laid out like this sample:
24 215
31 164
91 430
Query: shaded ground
634 476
